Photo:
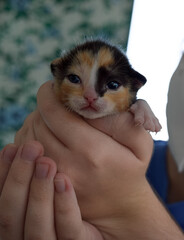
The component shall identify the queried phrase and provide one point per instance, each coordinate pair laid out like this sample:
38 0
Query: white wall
155 45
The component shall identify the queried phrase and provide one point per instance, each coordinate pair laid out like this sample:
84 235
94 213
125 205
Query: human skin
82 152
107 168
25 214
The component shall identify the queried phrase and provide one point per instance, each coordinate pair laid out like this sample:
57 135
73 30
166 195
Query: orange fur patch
121 98
66 90
86 57
82 66
105 57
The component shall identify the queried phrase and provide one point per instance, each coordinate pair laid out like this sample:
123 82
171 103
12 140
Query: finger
62 123
14 196
6 157
26 133
121 127
40 211
69 224
53 147
67 213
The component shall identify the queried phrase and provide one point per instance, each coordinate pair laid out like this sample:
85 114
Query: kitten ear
138 80
55 65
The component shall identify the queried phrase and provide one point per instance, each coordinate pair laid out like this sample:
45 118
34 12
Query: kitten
95 79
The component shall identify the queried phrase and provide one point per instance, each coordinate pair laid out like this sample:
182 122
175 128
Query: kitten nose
90 99
90 95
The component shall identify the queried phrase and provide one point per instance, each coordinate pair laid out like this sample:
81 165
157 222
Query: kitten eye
74 78
113 85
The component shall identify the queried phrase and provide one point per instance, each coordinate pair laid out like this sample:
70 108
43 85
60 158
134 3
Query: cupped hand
30 206
106 159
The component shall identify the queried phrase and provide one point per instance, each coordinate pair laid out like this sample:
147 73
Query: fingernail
9 153
41 170
30 152
60 183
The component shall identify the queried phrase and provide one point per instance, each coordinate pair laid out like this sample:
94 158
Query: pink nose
90 99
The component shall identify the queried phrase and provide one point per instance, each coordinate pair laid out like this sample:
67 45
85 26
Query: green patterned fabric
33 33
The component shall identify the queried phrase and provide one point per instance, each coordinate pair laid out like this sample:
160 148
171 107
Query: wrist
151 219
146 219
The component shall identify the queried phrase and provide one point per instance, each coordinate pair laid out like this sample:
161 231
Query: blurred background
33 33
155 47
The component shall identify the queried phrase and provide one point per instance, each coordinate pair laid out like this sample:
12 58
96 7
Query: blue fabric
158 178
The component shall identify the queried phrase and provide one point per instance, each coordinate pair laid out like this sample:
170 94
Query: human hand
20 214
26 203
27 195
107 167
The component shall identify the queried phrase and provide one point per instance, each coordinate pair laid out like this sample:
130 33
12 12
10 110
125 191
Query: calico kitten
95 79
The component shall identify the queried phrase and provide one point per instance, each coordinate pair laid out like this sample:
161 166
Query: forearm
152 221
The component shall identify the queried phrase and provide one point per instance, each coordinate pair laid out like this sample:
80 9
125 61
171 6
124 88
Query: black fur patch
121 71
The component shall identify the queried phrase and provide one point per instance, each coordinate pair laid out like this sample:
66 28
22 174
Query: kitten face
95 79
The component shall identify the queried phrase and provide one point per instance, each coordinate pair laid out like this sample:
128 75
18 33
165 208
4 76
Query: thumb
68 220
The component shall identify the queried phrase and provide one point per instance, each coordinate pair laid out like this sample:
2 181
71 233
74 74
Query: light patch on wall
156 42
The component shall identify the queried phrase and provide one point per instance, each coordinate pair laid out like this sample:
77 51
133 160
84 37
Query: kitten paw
143 115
